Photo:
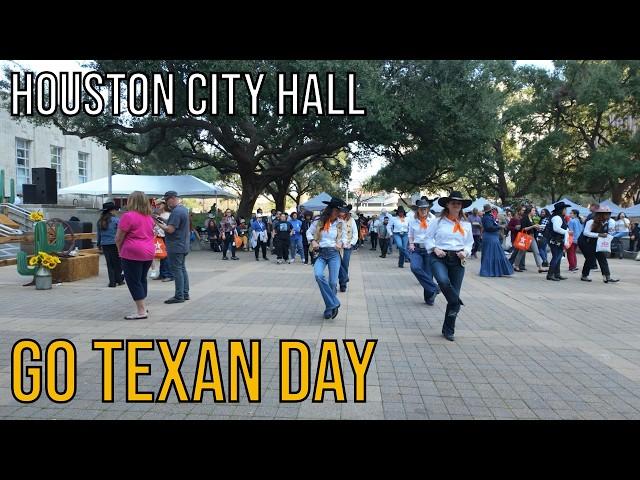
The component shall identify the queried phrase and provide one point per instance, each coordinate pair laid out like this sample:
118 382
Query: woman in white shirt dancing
450 240
327 235
419 257
399 227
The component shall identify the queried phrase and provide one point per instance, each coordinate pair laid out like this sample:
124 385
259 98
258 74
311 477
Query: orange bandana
456 225
423 222
327 225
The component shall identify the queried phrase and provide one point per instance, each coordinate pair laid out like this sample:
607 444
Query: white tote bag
604 244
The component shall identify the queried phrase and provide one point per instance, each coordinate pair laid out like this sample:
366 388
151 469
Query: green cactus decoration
41 244
12 191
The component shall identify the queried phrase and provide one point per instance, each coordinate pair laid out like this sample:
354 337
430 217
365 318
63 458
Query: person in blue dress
494 261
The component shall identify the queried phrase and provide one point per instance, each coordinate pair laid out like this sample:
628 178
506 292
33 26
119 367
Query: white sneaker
291 261
279 262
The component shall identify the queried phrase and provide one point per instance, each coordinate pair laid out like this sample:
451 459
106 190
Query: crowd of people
435 247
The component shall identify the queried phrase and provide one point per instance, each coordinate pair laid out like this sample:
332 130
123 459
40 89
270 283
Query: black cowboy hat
346 208
401 209
423 203
109 206
455 195
558 207
334 202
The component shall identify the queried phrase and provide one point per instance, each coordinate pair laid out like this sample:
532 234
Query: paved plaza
525 348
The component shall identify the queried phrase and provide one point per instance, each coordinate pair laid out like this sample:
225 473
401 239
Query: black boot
560 277
448 328
551 276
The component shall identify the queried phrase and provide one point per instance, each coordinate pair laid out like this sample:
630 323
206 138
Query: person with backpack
327 235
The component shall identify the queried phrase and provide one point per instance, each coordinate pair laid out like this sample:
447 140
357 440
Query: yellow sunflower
33 261
36 216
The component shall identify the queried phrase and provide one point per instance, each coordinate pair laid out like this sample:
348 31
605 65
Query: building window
23 162
56 162
83 167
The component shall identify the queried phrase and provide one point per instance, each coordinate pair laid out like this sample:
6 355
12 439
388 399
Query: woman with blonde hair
135 241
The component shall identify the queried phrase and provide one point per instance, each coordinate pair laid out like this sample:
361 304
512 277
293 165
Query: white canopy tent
315 203
479 203
572 205
632 211
152 185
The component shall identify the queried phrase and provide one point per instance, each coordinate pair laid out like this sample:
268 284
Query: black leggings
114 266
135 273
229 241
588 248
261 245
305 247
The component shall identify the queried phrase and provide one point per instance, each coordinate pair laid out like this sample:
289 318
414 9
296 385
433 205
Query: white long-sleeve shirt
417 234
556 222
398 225
587 228
440 235
327 239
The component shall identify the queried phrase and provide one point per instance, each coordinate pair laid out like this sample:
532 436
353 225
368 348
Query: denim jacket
108 236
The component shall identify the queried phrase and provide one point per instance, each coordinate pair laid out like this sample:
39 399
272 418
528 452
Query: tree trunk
250 193
502 187
280 195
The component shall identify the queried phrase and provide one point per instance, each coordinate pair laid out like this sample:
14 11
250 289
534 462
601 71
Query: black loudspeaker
82 227
29 193
47 187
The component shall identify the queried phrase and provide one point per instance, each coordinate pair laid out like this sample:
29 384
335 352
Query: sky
358 174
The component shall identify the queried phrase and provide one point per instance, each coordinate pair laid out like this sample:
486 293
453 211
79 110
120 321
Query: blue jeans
542 249
449 273
328 288
343 276
556 258
180 276
421 267
296 247
165 269
402 240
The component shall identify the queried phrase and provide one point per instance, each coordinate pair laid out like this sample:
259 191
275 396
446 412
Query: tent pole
109 172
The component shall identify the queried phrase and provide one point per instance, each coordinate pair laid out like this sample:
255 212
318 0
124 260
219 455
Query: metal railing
16 209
